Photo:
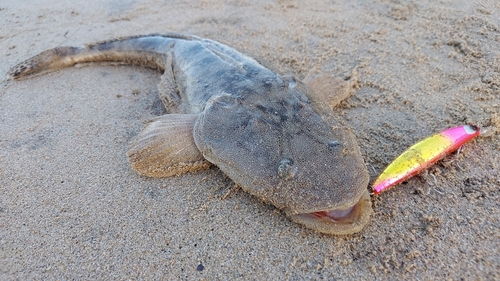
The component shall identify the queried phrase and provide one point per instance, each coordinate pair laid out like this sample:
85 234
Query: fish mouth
337 215
338 221
347 215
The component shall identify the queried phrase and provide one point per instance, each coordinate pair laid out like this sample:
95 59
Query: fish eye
286 170
334 145
225 100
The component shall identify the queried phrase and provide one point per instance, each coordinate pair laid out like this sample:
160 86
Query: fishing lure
423 154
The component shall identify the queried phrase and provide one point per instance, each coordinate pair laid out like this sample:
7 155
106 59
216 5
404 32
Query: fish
269 133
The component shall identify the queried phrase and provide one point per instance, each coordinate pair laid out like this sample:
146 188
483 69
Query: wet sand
71 207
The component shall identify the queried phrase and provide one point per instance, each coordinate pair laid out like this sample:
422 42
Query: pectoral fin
332 90
165 147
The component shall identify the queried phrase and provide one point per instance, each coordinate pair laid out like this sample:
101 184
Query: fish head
278 148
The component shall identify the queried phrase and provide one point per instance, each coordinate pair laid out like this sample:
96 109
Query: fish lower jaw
342 221
337 215
346 215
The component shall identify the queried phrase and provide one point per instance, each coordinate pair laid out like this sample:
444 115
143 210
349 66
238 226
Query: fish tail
45 62
148 51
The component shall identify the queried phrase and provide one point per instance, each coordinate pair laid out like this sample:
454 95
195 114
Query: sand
71 207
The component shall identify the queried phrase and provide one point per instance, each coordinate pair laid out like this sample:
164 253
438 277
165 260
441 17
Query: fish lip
343 214
363 193
350 219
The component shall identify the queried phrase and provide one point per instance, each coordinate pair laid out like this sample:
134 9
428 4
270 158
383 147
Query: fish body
264 130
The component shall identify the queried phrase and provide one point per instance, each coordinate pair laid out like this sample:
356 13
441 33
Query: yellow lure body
423 154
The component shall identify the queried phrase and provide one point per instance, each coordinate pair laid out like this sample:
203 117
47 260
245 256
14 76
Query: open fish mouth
335 215
346 220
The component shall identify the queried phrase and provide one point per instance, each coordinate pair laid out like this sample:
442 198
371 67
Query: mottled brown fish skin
265 131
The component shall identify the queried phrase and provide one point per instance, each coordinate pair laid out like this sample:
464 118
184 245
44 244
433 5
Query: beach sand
72 208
